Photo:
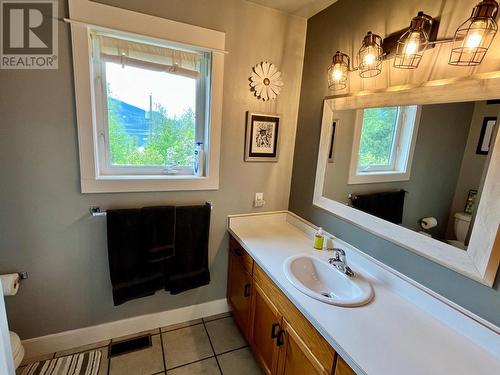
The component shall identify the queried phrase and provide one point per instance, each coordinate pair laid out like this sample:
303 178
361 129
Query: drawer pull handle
238 252
279 339
274 334
246 293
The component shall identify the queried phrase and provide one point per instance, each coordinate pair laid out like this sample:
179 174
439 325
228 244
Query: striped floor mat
76 364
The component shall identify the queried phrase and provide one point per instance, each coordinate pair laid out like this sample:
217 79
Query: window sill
380 176
151 177
122 184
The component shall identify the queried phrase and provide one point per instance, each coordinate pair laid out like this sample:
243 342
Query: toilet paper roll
10 284
428 222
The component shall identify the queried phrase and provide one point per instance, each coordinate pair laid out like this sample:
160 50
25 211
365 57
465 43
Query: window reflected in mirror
419 166
378 139
383 144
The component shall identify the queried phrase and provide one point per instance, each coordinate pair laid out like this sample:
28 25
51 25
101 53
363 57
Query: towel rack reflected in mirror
96 210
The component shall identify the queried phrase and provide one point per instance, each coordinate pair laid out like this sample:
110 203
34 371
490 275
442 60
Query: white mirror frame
482 258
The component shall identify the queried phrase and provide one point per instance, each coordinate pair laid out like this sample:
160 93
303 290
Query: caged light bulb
337 72
369 58
412 45
475 38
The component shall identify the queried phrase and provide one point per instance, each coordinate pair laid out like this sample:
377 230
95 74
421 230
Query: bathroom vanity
282 339
403 329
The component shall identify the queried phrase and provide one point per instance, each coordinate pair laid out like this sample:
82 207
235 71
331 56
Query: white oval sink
320 280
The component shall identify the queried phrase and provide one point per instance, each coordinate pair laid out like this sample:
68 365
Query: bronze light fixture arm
441 41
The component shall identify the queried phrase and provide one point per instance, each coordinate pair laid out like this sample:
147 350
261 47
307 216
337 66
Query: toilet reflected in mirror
418 166
461 228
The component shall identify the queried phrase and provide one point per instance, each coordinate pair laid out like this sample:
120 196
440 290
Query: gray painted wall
473 165
45 228
442 135
328 31
337 171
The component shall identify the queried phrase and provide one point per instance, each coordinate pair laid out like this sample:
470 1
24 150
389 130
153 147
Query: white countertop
390 335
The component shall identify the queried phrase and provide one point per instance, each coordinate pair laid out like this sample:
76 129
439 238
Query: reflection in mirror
420 166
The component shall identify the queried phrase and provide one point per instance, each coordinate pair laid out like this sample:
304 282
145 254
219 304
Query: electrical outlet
259 200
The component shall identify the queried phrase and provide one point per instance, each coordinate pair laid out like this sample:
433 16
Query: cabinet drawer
318 346
239 253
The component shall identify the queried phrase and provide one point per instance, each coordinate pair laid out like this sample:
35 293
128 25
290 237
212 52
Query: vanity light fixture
473 38
413 43
338 71
471 42
370 56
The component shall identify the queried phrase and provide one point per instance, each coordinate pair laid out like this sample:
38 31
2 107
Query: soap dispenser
319 239
329 243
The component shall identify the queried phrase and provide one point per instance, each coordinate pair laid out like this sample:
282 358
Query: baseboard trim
83 336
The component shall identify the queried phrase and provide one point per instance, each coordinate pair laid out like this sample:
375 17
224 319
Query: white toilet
9 285
462 223
17 349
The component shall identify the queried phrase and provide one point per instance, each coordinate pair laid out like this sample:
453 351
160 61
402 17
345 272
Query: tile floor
208 346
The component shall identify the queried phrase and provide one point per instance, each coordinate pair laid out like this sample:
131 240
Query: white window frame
402 152
86 16
102 121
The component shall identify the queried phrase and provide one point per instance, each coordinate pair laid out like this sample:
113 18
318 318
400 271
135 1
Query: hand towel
132 276
159 232
188 268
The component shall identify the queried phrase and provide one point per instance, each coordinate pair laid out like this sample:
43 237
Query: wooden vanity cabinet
316 345
283 341
295 356
239 285
239 293
265 332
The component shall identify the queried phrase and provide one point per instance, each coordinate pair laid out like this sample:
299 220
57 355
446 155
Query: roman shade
147 56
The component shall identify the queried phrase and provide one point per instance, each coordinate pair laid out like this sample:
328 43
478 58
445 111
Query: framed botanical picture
487 132
262 132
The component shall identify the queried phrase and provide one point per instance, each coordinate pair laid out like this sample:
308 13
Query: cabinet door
315 342
239 293
295 358
265 327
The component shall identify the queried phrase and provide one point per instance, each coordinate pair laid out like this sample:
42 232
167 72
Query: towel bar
96 211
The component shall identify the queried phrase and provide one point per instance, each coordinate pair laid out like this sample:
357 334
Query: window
147 90
384 140
150 105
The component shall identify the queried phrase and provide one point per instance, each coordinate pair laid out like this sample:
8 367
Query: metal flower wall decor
265 81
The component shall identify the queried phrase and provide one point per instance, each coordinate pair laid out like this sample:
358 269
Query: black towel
158 232
188 268
386 205
132 275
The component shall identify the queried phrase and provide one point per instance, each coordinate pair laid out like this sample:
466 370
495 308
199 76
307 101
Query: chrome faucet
339 261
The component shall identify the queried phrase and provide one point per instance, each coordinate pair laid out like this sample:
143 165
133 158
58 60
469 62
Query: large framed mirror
419 166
